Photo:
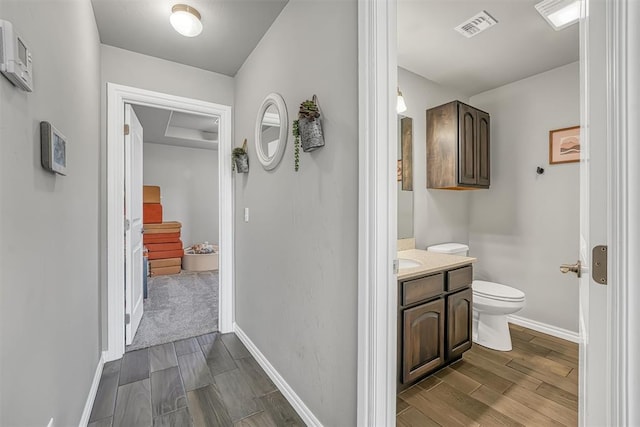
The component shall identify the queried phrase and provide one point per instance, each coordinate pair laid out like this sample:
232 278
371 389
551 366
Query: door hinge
126 129
396 265
127 319
599 264
126 225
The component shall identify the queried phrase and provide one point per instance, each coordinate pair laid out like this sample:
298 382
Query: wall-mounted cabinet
458 142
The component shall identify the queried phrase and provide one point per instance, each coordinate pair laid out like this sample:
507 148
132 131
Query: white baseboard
565 334
286 390
86 413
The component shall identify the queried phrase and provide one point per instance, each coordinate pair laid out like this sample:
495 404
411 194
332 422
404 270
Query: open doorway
178 165
604 109
487 180
118 99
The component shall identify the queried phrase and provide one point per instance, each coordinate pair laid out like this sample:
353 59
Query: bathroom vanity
434 312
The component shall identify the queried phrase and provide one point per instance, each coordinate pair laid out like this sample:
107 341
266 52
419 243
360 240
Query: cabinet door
483 158
423 339
459 323
467 147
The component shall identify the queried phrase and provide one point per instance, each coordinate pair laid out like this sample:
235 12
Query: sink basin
407 263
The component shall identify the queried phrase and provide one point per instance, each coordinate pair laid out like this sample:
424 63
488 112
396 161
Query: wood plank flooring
210 380
535 384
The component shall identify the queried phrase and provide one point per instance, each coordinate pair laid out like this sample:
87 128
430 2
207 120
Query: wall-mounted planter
241 163
240 158
311 137
310 125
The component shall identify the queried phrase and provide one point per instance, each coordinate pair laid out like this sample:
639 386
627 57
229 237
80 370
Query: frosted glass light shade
401 106
185 20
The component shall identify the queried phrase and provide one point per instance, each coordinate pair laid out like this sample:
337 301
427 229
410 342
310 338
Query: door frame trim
117 97
377 216
623 234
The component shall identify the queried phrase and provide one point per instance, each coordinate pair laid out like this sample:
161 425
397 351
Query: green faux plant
308 110
238 151
296 144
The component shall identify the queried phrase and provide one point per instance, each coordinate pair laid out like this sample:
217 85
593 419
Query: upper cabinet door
467 146
483 167
457 147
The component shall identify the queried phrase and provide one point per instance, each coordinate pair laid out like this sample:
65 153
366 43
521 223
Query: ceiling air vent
476 24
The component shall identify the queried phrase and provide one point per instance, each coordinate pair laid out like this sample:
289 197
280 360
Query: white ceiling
522 44
177 128
232 29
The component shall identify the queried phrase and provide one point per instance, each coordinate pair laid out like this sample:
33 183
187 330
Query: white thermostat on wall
15 58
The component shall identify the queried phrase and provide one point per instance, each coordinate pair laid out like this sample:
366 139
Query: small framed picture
53 146
564 145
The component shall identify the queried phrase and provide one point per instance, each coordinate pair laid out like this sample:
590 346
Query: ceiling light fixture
559 13
401 106
185 20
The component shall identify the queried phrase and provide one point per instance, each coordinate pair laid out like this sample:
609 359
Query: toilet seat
496 291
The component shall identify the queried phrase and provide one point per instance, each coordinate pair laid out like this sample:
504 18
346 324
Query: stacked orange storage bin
162 239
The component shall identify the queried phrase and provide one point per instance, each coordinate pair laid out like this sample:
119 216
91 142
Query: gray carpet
179 306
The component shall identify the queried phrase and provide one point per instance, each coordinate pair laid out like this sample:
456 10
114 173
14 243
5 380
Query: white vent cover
476 24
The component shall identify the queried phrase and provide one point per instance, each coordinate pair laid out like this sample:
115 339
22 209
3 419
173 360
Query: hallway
209 380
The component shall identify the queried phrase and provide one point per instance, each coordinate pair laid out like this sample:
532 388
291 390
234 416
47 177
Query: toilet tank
459 249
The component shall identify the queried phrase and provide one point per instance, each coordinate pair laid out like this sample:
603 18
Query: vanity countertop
430 262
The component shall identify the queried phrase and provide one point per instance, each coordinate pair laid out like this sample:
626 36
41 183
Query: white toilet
492 302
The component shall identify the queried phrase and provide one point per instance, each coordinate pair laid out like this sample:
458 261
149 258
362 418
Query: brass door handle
573 268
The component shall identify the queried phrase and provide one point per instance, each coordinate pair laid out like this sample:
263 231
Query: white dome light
185 20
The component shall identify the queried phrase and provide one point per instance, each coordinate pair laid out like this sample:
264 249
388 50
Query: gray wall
146 72
188 180
49 307
526 225
296 260
439 215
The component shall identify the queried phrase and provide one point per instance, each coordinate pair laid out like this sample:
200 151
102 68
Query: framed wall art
564 145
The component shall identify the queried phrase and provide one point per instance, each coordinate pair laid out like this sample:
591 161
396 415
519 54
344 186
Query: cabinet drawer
422 288
460 278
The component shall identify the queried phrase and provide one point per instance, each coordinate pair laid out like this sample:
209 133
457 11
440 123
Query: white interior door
134 306
593 363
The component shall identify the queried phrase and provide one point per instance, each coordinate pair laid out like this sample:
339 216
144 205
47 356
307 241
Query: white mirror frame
276 100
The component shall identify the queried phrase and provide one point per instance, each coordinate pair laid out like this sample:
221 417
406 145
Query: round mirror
271 131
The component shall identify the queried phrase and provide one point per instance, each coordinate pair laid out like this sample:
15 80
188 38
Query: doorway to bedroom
180 219
208 304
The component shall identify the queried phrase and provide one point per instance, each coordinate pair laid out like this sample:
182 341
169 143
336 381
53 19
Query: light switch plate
246 214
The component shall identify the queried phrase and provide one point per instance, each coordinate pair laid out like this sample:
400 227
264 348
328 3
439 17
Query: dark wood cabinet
458 143
434 322
423 340
459 323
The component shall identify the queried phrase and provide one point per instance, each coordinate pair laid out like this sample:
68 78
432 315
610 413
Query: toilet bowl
492 302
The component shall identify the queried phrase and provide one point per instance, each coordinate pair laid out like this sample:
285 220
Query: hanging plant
240 158
296 144
310 126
